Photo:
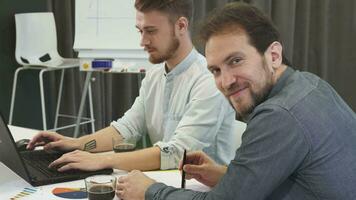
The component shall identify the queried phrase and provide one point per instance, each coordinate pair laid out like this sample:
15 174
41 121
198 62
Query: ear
275 53
182 25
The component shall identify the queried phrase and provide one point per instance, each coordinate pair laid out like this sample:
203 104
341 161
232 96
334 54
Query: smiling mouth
237 92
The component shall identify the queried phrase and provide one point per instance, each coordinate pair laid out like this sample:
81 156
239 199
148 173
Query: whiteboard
106 25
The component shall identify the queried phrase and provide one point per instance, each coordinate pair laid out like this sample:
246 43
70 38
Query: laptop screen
9 154
33 173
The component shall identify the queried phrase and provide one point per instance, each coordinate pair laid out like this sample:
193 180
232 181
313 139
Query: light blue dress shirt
181 110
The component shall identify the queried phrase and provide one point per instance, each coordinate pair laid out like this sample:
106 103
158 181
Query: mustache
235 88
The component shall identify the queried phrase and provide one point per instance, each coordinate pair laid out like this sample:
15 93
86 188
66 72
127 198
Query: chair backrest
36 39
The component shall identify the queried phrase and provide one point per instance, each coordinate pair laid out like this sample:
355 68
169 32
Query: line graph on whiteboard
106 24
103 10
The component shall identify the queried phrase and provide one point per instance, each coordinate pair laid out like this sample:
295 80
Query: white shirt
181 110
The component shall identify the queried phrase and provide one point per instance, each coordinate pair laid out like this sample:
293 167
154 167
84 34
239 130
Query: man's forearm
145 159
99 141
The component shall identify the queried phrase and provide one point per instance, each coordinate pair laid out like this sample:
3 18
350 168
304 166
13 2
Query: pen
183 173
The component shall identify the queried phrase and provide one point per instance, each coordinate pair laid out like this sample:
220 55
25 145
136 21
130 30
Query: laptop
32 166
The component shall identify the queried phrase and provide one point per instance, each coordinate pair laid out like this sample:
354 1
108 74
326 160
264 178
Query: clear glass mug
100 187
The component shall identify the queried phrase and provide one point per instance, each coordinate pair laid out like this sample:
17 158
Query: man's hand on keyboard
80 160
53 141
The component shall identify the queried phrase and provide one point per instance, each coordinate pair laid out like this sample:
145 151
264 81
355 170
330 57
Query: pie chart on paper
70 193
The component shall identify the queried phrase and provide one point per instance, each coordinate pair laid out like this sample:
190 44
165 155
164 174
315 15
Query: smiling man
179 106
244 87
300 140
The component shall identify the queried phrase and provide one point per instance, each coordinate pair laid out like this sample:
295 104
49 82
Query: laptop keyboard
41 159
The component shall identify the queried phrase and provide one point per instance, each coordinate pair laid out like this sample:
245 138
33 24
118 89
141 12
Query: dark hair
173 8
240 16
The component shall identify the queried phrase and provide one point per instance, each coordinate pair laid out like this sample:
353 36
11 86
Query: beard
257 96
172 48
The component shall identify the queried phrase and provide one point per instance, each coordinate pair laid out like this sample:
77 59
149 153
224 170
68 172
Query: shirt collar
281 82
183 65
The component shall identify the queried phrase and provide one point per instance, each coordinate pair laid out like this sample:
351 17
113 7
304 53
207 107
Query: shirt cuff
170 155
153 190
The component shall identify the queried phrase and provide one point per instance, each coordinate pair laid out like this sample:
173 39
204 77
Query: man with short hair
179 106
300 140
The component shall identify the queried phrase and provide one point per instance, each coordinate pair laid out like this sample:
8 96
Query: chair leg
44 119
13 95
59 98
91 108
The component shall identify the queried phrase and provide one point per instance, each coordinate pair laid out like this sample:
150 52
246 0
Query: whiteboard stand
87 88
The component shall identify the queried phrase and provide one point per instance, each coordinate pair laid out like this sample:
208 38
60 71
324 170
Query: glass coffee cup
100 187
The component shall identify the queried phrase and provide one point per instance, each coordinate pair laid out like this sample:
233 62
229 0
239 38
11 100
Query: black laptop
33 165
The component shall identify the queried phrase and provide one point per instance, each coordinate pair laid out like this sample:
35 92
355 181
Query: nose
227 79
144 40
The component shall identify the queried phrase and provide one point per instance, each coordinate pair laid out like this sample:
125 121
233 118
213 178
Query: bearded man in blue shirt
300 140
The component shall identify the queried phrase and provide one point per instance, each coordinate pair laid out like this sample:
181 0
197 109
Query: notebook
32 166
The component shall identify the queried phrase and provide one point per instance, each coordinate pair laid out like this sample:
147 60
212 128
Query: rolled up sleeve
198 127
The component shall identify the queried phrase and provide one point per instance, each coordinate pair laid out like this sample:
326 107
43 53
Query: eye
151 31
235 61
215 71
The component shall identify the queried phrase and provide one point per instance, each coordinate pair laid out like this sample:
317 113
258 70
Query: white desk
11 185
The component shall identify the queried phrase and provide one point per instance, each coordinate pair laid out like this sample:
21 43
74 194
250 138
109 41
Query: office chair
36 48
